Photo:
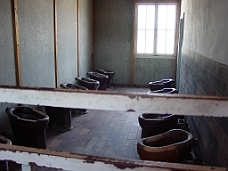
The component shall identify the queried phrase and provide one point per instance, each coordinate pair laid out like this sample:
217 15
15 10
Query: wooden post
133 49
17 45
177 39
93 36
56 44
78 37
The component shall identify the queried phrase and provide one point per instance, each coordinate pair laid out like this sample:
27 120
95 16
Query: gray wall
37 42
36 34
205 28
152 69
113 46
67 40
7 64
113 38
85 36
204 68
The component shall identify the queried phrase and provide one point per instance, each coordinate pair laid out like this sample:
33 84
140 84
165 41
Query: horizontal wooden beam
71 162
179 104
116 101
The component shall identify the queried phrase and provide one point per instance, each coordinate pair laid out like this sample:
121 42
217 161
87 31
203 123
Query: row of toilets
163 86
165 137
60 118
97 80
29 124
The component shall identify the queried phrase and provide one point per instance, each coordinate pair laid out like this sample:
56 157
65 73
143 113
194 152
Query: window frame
156 3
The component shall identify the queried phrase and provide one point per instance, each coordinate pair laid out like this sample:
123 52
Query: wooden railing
178 104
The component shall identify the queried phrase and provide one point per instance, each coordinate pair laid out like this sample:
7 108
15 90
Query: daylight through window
156 28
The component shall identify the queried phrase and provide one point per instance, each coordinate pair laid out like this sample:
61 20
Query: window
156 28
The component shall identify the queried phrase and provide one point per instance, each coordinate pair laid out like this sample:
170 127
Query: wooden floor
100 133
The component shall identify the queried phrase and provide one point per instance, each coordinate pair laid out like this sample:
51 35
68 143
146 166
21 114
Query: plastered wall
205 28
7 55
36 34
113 46
86 34
36 38
67 40
153 69
113 38
204 68
36 42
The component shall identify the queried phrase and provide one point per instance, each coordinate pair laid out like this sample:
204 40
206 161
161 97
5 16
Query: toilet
103 79
28 126
153 124
166 91
4 164
75 86
110 75
170 146
158 85
89 83
60 118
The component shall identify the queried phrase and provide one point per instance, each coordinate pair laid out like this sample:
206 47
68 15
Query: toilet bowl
153 124
4 164
89 83
157 85
103 79
28 126
170 146
166 91
60 118
110 75
75 86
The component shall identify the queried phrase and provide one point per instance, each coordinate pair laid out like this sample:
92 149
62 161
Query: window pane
141 16
171 16
164 29
170 40
150 16
150 41
161 43
162 16
141 41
